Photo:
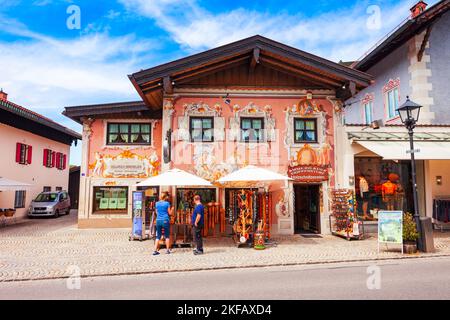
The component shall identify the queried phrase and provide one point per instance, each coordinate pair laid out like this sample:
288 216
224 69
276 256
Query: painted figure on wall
281 208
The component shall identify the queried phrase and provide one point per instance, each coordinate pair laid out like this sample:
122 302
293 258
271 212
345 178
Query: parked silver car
50 204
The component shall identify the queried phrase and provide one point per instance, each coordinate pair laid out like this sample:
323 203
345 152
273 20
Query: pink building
35 150
254 101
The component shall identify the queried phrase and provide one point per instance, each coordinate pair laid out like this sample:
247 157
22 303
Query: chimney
3 95
418 8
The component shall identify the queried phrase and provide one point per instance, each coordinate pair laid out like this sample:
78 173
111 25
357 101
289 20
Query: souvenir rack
344 221
249 210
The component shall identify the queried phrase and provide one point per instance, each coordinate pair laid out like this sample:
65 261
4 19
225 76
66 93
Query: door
307 208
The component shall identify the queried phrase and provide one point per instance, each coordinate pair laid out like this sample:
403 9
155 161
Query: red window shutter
64 162
29 154
44 161
18 149
59 158
53 158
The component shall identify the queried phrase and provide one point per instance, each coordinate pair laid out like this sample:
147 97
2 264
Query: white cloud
45 74
341 34
84 69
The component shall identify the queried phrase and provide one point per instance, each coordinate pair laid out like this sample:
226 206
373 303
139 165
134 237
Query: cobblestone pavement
47 248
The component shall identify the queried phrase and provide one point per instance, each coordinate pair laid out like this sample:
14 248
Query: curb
306 263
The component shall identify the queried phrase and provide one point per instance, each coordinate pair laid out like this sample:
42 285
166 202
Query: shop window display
109 200
185 197
382 185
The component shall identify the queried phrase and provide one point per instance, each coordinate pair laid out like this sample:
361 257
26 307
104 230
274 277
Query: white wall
35 174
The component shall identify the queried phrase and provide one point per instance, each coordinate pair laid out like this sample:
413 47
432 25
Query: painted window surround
369 98
252 110
389 87
152 123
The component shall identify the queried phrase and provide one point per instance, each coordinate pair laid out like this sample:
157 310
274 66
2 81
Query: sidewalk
45 249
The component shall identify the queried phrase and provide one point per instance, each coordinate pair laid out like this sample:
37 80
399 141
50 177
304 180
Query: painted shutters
23 153
29 154
53 159
18 151
183 129
219 129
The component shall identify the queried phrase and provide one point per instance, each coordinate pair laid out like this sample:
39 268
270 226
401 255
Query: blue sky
45 66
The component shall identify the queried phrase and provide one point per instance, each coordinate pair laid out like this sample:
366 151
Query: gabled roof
402 34
76 113
152 83
22 118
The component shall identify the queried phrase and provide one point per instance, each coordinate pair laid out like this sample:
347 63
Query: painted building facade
35 150
413 61
255 101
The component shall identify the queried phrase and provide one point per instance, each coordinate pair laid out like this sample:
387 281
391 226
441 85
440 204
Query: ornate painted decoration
207 167
368 98
201 109
311 165
125 165
306 109
391 85
252 110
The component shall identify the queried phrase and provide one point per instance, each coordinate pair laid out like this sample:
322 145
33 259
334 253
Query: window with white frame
368 112
392 98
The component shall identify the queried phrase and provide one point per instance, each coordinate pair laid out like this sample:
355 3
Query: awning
12 185
398 150
175 177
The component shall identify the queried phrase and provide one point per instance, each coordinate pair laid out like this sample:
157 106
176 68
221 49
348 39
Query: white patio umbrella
252 173
12 185
175 177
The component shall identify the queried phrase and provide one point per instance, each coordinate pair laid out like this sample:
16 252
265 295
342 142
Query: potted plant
410 234
10 213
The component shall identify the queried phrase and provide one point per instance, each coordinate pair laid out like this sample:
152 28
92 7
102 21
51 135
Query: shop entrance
307 208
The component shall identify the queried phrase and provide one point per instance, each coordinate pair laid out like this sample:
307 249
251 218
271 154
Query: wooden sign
308 173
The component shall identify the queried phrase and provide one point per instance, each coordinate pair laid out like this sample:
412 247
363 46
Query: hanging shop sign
308 173
390 227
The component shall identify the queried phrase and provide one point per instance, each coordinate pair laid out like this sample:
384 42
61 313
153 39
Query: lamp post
409 115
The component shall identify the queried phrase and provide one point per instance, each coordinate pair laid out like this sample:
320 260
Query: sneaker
198 252
155 253
168 252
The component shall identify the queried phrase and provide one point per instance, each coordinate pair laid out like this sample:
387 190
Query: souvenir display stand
344 220
181 234
249 212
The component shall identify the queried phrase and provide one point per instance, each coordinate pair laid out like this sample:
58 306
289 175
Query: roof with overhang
405 31
22 118
255 62
118 109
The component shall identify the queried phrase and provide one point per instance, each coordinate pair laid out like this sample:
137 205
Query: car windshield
47 197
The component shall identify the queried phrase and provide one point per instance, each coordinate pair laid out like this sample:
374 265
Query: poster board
138 215
122 203
104 203
390 228
113 203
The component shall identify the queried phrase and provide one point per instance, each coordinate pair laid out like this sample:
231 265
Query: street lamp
409 115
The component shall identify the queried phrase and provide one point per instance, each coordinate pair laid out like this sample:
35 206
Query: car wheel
56 213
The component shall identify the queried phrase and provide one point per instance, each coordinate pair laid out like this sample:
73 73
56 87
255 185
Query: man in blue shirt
197 224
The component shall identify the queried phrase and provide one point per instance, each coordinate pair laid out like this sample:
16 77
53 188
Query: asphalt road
399 279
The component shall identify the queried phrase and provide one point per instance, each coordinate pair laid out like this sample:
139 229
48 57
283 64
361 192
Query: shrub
409 228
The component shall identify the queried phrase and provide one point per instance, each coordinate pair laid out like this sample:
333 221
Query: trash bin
426 227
